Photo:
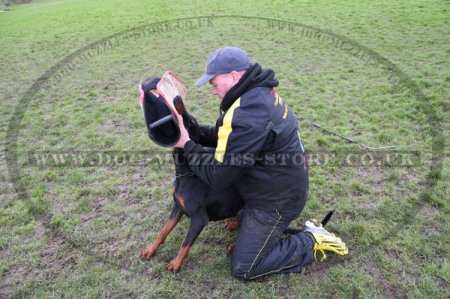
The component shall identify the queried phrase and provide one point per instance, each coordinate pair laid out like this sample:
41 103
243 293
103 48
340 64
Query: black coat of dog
192 197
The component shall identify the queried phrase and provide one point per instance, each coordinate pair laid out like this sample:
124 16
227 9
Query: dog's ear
179 105
192 127
189 121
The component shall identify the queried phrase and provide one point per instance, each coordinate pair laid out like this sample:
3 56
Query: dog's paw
230 248
174 265
147 253
231 225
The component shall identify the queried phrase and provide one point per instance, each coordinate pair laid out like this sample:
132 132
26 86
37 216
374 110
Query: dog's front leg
173 220
198 222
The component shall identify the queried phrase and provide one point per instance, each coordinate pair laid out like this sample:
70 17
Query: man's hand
184 135
141 97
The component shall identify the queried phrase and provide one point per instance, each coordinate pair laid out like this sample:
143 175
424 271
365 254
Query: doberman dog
194 198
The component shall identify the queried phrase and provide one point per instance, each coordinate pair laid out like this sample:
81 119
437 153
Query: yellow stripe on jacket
225 131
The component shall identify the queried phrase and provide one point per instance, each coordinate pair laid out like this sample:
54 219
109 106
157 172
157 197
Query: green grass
79 231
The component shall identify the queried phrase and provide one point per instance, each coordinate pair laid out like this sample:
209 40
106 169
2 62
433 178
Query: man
259 151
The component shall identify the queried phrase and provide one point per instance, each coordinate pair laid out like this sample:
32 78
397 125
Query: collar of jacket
254 77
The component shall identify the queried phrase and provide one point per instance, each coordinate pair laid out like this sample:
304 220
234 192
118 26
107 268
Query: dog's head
155 108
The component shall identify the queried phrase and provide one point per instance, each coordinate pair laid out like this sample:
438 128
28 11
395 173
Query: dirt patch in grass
5 281
321 268
390 291
12 279
19 273
429 211
58 255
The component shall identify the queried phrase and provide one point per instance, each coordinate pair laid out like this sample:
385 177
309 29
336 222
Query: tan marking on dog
180 200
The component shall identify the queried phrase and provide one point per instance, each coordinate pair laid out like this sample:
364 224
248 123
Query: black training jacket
257 146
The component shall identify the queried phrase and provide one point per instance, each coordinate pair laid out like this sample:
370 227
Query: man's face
222 83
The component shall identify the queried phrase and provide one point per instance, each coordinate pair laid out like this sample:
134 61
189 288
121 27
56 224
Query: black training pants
259 250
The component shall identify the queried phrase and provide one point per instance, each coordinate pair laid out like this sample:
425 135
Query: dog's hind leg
173 220
234 224
231 225
198 222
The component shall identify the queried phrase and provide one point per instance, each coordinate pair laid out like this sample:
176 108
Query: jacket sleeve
202 163
241 137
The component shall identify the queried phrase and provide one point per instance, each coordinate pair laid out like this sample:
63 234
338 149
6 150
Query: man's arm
240 140
202 162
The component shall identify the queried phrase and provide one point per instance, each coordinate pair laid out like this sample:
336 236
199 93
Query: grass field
375 71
